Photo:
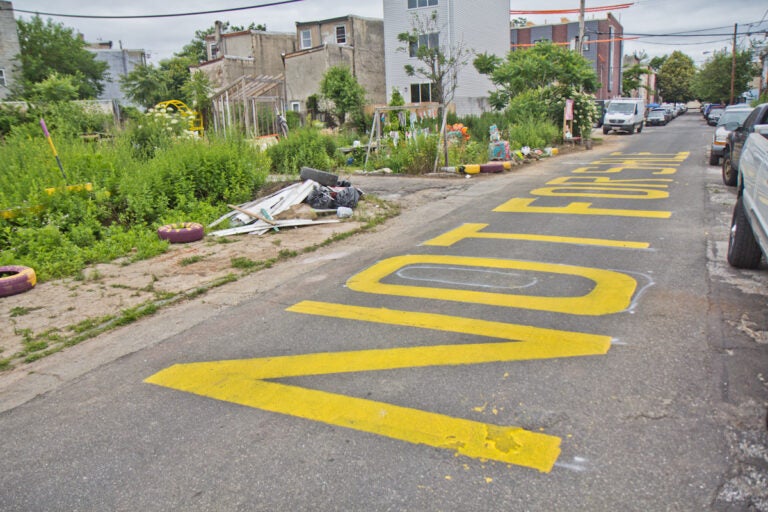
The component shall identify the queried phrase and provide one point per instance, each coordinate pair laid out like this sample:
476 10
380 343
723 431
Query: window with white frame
431 40
296 106
585 44
413 4
306 39
341 34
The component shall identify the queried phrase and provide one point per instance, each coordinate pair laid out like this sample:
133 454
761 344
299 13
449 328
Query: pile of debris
300 204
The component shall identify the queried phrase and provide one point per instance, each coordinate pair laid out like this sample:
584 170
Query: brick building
602 45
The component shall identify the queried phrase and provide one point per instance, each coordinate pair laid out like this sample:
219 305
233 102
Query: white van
625 114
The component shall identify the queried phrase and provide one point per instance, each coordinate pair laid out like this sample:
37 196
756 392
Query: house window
341 34
306 39
421 93
413 4
429 40
585 44
2 77
295 106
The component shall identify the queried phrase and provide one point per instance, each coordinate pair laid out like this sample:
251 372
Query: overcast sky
161 37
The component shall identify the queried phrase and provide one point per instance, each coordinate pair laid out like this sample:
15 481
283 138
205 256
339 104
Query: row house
457 24
353 42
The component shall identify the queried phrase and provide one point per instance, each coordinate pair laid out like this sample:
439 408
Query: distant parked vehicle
732 114
714 115
657 117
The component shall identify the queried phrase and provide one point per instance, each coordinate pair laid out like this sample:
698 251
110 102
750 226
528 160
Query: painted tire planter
16 279
181 233
492 167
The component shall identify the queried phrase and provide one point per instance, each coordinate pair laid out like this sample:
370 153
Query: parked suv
733 113
736 139
748 240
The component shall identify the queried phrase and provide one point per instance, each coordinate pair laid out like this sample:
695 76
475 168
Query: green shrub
305 147
534 133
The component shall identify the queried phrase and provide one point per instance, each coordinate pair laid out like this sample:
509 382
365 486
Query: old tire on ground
181 233
714 159
730 176
16 279
326 179
743 249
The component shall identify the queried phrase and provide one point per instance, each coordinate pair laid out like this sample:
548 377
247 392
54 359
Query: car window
750 120
732 116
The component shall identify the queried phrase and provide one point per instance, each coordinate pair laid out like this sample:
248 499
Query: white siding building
478 25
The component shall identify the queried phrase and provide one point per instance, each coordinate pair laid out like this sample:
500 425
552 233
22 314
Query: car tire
743 249
16 279
181 233
730 175
324 178
631 130
606 129
640 128
714 159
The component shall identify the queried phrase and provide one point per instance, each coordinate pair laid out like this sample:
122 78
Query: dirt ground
64 312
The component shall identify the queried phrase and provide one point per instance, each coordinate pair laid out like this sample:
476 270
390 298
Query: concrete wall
264 48
224 71
459 22
9 47
305 69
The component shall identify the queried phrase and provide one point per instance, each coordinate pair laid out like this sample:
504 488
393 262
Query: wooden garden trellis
424 107
250 104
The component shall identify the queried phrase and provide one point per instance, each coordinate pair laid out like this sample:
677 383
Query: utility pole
580 42
733 62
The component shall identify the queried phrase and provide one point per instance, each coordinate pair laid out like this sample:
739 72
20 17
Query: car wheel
743 250
631 130
729 173
714 159
640 128
606 129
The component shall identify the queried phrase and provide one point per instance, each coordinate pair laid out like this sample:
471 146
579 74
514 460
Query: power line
143 16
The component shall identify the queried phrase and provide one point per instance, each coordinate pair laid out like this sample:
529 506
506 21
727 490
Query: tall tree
630 79
341 87
48 48
145 85
675 78
440 64
712 82
539 66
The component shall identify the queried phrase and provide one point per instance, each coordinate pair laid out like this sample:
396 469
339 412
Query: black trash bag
320 198
347 196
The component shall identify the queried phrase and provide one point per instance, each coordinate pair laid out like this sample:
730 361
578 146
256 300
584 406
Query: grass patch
21 311
190 260
243 263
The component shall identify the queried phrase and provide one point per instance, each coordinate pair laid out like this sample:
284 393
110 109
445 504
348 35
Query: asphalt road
566 337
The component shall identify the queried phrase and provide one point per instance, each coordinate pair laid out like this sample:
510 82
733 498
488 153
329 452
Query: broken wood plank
252 214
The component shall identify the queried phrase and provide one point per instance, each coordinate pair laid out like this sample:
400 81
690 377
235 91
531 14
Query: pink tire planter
181 233
16 279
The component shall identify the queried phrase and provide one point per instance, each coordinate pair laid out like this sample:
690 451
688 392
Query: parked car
734 143
732 114
714 115
748 241
657 117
